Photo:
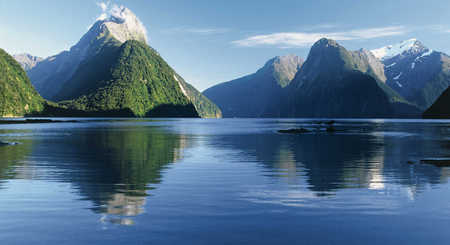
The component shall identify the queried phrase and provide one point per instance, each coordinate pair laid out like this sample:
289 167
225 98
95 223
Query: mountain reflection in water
120 168
113 168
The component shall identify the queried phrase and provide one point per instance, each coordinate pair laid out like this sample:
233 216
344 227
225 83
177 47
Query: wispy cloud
103 5
199 31
303 39
438 28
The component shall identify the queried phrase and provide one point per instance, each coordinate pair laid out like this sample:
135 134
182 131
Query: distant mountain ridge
416 72
335 82
27 61
332 82
253 95
405 78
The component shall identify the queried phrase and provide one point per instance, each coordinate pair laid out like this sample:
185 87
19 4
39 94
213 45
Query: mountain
417 73
253 95
27 61
335 82
18 97
441 108
129 80
112 71
51 74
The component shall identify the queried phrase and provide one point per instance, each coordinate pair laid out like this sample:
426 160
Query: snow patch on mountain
429 52
391 65
398 76
396 49
122 23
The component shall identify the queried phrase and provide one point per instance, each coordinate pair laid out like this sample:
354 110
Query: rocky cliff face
27 61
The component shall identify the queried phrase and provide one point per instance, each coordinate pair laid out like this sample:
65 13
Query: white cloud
103 5
303 39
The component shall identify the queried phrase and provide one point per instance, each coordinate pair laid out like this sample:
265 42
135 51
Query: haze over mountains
400 80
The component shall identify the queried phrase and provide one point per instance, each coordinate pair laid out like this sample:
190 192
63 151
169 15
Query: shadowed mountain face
332 82
253 95
416 72
440 108
335 82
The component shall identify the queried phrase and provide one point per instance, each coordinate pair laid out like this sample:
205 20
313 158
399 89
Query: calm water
223 182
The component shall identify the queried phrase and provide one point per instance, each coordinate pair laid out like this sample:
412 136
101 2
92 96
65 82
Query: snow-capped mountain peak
410 46
124 24
121 22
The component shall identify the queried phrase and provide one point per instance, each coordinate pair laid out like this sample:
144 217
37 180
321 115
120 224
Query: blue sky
208 42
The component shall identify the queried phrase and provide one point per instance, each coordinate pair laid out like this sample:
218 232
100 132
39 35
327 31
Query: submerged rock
439 162
294 131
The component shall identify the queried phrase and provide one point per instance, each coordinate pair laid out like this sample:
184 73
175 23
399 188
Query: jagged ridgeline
18 97
332 82
335 82
112 71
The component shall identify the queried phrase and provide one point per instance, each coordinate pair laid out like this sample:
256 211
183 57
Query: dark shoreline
32 121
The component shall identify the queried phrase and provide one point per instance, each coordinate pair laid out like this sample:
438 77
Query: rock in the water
294 131
439 162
